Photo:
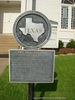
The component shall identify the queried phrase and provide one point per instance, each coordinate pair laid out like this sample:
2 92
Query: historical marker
32 29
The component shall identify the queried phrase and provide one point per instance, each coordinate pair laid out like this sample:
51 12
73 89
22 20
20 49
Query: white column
69 17
26 5
29 5
23 5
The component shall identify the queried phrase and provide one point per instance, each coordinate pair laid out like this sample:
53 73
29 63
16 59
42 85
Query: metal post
34 5
31 85
31 91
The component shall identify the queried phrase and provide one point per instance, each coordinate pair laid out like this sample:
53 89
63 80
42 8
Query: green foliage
71 44
61 44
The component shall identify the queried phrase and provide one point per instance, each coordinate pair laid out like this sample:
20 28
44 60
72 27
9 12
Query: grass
63 87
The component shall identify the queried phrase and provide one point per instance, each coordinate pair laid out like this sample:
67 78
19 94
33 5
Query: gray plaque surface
32 29
31 66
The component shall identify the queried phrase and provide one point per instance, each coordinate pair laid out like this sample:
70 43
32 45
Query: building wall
51 8
8 14
66 34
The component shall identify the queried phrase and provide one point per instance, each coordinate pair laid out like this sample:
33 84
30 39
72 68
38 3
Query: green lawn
63 87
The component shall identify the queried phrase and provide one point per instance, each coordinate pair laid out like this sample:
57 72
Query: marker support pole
31 91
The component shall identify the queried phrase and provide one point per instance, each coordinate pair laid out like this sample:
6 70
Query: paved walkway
3 64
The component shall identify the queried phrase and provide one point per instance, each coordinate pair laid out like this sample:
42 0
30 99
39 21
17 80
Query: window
73 18
64 18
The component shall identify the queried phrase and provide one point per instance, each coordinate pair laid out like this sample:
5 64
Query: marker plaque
32 66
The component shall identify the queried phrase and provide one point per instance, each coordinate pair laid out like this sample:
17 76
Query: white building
60 11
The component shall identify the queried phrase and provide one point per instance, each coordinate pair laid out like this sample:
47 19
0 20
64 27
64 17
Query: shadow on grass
46 87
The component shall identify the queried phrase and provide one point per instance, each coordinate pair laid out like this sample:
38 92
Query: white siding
53 40
65 36
51 8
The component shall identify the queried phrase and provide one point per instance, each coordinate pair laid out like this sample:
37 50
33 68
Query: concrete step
7 42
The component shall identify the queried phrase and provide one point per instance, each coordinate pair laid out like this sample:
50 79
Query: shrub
61 44
71 44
